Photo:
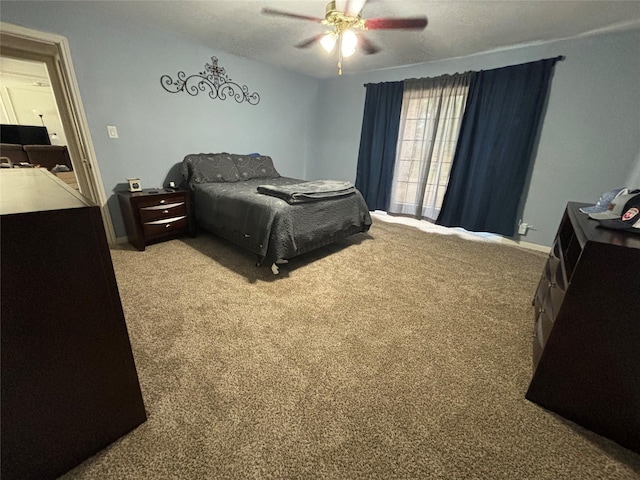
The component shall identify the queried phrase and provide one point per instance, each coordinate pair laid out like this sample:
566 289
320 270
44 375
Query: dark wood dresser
69 381
586 345
156 215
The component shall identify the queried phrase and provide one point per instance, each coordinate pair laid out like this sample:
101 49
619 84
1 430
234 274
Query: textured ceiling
456 28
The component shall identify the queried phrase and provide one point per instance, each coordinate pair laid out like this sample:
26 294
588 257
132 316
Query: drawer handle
163 201
165 211
552 285
167 225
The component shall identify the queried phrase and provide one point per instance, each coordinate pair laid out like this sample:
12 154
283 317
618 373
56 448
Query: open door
53 51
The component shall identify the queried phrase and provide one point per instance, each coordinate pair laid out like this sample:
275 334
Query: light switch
113 131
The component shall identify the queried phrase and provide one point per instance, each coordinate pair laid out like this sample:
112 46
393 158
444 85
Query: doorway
27 97
52 51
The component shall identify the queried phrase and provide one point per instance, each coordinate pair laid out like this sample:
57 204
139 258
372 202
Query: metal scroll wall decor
214 80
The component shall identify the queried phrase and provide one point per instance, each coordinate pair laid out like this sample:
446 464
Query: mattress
271 227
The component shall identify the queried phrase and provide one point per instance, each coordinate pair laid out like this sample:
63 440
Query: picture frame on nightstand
134 185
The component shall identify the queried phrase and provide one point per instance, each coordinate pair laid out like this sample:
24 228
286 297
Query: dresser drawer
159 212
556 250
560 280
541 291
543 328
543 300
556 296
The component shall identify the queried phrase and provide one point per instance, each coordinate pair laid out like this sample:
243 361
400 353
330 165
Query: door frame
53 50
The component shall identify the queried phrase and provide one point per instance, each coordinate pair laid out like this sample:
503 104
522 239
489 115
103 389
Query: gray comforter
308 191
271 227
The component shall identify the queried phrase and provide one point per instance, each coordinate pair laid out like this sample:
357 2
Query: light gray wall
633 180
590 136
589 141
119 64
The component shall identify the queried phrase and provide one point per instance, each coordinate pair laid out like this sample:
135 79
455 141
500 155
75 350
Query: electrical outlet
112 131
522 228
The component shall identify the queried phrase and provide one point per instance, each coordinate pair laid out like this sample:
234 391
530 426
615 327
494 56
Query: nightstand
156 215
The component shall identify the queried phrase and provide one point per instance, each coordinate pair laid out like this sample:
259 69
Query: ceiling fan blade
280 13
366 45
416 23
352 7
309 41
341 5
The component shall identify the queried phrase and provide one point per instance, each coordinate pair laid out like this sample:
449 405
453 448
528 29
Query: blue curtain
378 140
495 146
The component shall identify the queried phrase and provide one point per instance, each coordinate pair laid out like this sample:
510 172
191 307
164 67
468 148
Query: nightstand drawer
158 212
168 226
159 200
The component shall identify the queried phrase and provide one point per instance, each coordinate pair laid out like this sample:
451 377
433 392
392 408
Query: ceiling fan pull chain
340 54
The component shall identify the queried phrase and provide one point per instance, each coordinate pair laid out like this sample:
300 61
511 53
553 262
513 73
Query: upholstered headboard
226 167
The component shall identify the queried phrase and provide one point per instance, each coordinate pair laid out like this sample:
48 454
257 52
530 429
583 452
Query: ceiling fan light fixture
328 42
344 19
348 43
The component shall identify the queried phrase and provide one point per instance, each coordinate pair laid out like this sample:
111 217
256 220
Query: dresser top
589 230
25 190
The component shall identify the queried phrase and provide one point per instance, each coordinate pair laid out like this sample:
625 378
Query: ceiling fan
345 17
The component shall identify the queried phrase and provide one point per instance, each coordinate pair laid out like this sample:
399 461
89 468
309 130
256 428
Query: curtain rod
559 58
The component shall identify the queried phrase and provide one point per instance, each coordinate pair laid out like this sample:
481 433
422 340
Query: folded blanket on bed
309 191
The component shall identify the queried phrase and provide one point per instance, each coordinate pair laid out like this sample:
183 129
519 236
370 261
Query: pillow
258 166
209 167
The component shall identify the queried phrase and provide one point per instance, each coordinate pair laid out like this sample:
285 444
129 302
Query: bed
243 199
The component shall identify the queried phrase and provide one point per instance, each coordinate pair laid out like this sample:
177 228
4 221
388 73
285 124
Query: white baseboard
529 245
120 240
433 228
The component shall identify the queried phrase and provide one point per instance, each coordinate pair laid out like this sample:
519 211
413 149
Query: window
432 111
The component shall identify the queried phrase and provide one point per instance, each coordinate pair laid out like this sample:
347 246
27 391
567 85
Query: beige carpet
396 354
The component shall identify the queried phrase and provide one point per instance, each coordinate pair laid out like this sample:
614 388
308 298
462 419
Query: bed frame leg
274 268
